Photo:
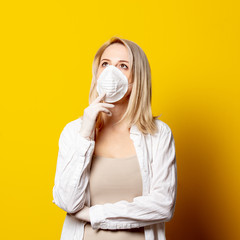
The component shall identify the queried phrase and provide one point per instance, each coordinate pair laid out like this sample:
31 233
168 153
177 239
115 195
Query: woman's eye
104 64
124 66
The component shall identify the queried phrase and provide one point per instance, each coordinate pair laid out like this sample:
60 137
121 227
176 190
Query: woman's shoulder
72 126
162 126
164 136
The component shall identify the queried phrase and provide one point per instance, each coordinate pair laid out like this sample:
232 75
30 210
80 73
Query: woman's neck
117 113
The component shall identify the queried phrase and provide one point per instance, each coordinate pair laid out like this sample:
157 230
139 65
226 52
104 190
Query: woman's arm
74 157
157 206
72 171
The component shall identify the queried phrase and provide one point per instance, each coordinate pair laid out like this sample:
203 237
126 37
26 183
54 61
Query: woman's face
117 55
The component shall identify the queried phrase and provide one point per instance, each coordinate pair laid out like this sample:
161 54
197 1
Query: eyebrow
110 60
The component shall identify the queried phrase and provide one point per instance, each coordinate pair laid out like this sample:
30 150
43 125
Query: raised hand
91 113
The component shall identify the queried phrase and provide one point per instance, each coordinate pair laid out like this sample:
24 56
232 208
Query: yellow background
47 48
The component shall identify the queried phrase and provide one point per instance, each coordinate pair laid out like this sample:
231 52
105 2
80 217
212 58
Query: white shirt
157 161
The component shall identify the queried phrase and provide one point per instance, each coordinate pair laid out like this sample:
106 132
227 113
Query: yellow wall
47 48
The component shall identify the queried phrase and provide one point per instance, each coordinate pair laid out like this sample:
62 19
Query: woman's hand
91 113
83 214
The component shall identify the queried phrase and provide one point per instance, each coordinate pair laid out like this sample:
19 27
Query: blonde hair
139 105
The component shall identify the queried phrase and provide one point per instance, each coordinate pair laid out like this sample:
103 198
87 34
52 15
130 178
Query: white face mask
113 82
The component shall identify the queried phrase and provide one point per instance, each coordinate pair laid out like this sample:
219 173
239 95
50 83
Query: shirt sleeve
158 206
72 170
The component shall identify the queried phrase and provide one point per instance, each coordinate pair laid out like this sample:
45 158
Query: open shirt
157 161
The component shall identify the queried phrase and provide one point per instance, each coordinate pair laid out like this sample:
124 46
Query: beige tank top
112 180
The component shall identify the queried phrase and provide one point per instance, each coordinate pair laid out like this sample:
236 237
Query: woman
116 174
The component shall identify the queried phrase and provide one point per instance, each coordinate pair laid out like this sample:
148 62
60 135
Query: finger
105 110
99 98
107 105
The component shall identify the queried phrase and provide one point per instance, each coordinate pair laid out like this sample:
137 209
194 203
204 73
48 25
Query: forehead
116 51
